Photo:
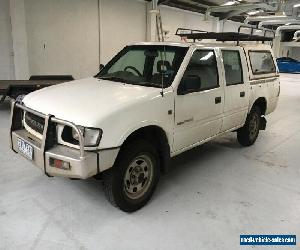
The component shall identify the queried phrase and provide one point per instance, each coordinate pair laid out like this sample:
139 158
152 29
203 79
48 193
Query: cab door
198 113
236 88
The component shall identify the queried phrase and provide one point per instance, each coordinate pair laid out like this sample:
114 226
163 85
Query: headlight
91 136
75 134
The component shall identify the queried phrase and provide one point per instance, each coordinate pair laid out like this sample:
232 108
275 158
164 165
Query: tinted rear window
262 62
233 67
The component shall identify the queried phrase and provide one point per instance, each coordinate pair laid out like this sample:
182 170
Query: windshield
153 66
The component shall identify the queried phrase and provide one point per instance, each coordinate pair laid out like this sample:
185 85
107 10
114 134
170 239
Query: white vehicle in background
152 101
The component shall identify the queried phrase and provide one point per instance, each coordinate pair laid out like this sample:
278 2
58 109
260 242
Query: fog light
59 164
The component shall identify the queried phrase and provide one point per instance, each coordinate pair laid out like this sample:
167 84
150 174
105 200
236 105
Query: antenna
164 58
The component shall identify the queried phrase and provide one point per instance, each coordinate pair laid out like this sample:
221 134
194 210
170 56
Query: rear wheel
130 184
248 134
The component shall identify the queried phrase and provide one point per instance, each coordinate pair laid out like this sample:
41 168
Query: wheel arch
157 136
261 102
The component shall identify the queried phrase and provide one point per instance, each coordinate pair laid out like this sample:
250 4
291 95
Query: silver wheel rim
138 177
253 126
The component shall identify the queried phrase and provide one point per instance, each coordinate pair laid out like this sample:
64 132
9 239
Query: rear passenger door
236 88
198 114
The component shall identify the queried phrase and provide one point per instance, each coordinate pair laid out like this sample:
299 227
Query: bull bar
83 164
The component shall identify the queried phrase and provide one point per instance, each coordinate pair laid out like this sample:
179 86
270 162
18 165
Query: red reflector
59 164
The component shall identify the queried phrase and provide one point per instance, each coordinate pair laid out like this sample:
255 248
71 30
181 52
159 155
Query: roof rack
227 36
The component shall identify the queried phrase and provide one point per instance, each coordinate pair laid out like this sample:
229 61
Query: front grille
35 122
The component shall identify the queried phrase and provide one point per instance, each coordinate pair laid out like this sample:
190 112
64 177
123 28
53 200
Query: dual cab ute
151 102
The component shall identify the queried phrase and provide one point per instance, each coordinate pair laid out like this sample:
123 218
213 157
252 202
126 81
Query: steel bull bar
83 164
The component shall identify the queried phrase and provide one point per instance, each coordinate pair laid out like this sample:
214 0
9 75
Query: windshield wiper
150 84
141 83
113 78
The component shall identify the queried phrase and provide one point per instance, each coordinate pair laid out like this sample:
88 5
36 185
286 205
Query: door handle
218 100
242 94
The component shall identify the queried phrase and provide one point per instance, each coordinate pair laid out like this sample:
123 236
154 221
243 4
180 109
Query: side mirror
101 66
189 84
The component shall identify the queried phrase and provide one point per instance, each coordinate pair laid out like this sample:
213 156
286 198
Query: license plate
25 148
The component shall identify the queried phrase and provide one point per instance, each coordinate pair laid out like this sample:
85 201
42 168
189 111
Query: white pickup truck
152 101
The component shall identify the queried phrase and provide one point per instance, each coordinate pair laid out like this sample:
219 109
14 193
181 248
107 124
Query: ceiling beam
186 5
163 1
242 6
199 6
202 2
233 13
230 14
237 9
194 3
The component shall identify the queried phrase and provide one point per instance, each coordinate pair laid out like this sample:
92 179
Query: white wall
6 51
19 37
63 37
295 53
230 26
173 18
121 22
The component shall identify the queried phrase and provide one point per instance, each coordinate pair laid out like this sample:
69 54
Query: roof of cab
175 44
206 44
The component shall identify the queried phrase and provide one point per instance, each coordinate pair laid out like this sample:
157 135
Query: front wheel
130 184
248 134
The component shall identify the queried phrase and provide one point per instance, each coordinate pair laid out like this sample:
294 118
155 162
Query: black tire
248 134
129 166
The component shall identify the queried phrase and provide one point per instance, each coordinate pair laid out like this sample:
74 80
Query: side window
262 62
233 67
204 65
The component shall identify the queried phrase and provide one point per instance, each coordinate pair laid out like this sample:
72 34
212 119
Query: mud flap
263 123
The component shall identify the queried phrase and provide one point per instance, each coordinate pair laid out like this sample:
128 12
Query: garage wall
6 51
62 37
70 42
230 26
295 52
131 24
121 22
174 18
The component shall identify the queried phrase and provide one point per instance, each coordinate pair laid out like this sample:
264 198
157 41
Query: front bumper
83 164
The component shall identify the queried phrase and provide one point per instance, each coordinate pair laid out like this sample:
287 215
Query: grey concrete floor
212 194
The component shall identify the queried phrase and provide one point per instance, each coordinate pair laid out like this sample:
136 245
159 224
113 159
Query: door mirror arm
101 66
